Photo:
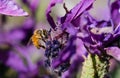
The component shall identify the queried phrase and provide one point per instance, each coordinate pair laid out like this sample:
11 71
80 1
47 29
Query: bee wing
29 42
8 7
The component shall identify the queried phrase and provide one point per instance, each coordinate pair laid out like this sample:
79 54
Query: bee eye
38 32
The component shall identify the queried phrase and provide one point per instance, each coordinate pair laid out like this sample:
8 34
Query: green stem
95 67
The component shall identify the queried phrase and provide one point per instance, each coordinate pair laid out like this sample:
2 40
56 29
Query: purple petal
116 32
80 48
101 33
83 20
8 7
75 48
69 28
117 29
74 68
115 11
48 11
76 60
114 52
77 10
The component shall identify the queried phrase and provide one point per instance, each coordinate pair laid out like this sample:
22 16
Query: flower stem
95 67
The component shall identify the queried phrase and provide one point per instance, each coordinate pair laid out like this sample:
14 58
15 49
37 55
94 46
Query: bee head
38 31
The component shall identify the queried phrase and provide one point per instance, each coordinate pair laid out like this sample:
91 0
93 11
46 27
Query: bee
38 37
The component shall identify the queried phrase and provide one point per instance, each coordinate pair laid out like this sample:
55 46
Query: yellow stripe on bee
37 36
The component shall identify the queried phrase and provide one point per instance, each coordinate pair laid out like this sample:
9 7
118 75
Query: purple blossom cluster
86 34
71 39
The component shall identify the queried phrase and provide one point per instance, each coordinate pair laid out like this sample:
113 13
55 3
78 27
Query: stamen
64 6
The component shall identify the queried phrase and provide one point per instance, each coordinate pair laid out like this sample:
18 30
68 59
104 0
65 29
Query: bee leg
38 47
49 34
43 46
44 40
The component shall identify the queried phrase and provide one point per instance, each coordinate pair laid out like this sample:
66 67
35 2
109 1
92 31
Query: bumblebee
38 37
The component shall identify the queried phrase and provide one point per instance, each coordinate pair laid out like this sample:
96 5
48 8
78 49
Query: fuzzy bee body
35 41
39 36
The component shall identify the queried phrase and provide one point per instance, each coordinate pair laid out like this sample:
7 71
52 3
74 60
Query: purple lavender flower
20 60
12 52
9 7
85 35
79 40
